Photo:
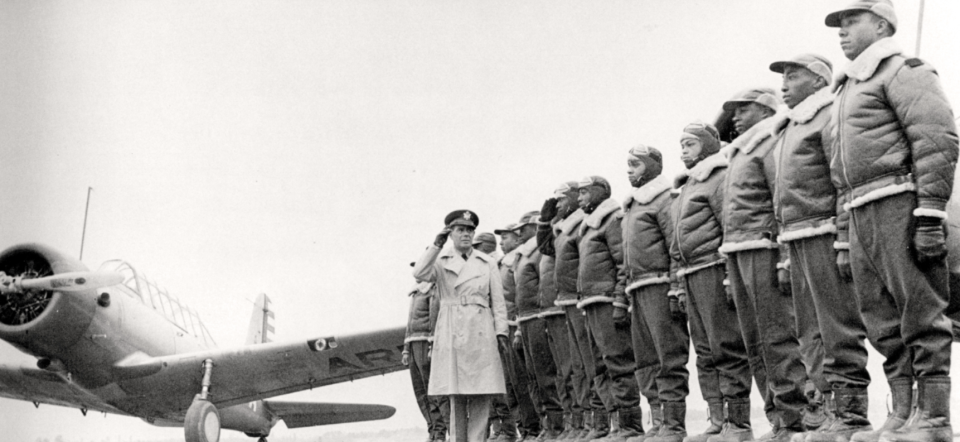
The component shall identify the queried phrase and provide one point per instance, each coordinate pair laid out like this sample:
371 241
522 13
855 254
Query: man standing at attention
893 162
805 205
604 300
661 342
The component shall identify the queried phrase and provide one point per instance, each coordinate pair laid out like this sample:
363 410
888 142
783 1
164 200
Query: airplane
113 341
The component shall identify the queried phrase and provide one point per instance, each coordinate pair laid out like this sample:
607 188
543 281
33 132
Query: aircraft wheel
202 423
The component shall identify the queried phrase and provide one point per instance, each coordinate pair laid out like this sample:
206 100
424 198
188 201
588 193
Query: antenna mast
86 211
919 30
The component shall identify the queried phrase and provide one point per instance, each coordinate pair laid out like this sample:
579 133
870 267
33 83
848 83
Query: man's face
462 237
690 150
589 196
858 30
635 171
798 84
486 247
509 241
747 115
566 205
528 231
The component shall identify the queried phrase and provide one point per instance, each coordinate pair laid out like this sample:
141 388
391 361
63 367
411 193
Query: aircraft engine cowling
42 322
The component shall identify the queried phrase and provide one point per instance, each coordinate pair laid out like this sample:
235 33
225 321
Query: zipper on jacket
676 227
777 189
840 145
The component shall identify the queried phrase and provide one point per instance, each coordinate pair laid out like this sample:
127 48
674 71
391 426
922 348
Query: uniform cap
508 229
484 237
814 63
764 96
882 8
528 218
707 135
564 188
462 218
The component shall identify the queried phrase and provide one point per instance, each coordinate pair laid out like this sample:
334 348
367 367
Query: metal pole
86 212
919 30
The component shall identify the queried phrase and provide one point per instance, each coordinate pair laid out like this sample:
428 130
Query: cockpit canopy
141 288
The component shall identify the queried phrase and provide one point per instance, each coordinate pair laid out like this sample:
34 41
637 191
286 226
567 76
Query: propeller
63 282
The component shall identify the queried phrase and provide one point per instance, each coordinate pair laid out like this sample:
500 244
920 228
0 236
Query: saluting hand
442 237
549 210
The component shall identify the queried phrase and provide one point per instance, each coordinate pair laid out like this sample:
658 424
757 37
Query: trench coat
465 357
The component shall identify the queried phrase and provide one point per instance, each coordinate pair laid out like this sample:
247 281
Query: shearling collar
509 258
757 134
647 192
450 252
605 208
528 247
865 65
806 110
703 169
570 222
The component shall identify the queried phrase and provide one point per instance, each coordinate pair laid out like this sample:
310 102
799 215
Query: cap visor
732 105
781 66
833 19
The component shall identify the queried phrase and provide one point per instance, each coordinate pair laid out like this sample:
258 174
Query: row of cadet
802 227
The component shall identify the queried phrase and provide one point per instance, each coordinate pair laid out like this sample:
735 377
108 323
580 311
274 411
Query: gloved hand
843 265
549 210
728 290
442 237
929 241
517 343
784 283
678 305
405 358
620 316
502 344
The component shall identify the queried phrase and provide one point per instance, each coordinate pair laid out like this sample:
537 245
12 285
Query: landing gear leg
202 422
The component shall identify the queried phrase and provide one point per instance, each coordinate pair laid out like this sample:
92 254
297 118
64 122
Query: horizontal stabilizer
310 414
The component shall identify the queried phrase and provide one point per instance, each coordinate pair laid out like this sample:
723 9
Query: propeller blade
71 282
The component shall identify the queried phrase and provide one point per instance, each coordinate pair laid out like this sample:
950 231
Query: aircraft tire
202 422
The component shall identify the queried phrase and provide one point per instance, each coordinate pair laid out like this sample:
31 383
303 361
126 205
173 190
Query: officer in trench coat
472 323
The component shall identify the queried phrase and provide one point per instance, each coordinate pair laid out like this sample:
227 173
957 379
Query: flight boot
493 428
673 426
586 428
575 426
508 430
737 427
656 420
565 434
850 417
716 423
601 426
902 396
931 423
819 411
553 426
631 425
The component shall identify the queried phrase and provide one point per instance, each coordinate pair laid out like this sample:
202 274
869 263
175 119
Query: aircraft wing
261 371
41 386
307 414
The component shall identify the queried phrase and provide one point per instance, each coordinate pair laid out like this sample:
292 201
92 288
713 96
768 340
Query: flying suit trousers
613 357
521 396
435 409
902 305
722 365
540 363
587 393
819 289
562 348
761 306
669 343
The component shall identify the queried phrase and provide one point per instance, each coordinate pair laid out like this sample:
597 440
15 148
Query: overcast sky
310 150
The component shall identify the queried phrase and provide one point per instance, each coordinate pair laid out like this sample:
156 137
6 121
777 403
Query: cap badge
467 215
